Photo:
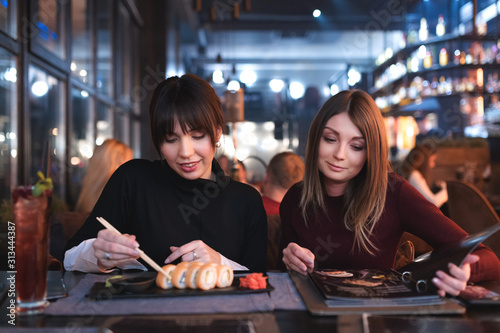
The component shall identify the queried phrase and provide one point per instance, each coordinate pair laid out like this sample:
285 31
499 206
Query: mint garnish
42 185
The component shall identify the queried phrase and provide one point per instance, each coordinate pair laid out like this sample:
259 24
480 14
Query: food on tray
207 277
195 275
165 282
224 276
179 275
338 274
254 281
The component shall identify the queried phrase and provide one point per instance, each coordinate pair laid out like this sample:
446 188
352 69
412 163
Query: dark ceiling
282 39
296 15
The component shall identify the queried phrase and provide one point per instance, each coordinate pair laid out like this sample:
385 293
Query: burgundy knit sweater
405 210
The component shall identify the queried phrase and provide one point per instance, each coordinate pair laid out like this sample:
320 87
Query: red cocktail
31 218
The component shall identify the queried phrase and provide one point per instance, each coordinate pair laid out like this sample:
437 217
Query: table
479 319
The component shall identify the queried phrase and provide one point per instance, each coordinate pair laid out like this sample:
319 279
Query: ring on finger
107 256
195 257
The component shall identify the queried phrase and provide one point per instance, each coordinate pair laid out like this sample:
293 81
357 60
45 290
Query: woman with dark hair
182 206
350 211
416 168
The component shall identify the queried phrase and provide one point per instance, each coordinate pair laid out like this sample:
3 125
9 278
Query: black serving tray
99 291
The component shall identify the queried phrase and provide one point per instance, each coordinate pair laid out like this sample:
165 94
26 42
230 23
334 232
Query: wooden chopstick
143 255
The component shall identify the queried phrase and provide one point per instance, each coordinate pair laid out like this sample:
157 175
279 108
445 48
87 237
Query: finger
189 256
304 255
114 237
289 258
461 273
102 246
293 267
448 284
470 259
177 252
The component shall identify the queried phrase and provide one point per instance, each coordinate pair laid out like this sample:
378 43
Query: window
46 127
125 54
122 126
61 89
49 17
104 123
104 44
81 140
8 17
81 41
8 123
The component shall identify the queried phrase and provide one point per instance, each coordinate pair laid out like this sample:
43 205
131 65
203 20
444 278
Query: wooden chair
62 227
470 209
273 242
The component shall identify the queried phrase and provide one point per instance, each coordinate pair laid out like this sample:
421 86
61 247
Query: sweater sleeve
425 220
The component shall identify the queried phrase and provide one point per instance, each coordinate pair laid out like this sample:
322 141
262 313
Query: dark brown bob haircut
189 100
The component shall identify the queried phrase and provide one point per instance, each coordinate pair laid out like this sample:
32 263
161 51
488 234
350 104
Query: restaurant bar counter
280 310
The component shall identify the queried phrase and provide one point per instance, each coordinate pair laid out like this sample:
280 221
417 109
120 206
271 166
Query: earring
217 145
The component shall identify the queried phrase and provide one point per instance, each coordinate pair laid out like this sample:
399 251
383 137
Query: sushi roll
178 276
190 279
206 278
162 281
184 264
224 276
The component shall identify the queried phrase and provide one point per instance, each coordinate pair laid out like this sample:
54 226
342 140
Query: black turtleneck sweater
151 201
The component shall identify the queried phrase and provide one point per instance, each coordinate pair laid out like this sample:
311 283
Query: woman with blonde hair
106 159
350 210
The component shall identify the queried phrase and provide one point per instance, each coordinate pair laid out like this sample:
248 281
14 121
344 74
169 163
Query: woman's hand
194 251
298 259
112 249
441 185
456 282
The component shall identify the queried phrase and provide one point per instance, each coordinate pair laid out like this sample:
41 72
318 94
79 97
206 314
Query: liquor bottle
468 57
456 57
497 51
443 57
441 26
412 36
471 84
423 33
449 86
434 86
463 55
428 60
441 90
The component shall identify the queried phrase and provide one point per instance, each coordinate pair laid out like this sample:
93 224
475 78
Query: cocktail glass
31 220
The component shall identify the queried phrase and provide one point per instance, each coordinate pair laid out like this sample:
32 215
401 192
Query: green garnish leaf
42 185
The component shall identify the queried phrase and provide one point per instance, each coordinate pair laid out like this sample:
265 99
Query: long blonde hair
365 194
105 160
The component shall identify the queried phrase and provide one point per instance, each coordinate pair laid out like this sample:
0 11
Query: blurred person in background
106 159
284 170
225 164
416 168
